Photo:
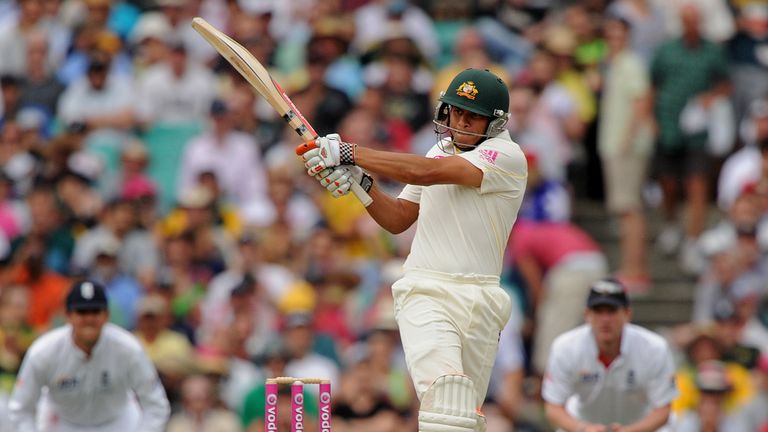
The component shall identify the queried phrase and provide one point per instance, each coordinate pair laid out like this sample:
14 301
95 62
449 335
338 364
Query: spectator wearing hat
323 105
100 99
700 347
232 156
613 374
94 372
710 414
170 351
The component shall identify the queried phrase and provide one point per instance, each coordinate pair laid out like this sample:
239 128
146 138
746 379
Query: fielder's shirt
463 229
640 379
93 391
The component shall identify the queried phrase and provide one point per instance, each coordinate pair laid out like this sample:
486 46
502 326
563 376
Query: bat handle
361 194
305 147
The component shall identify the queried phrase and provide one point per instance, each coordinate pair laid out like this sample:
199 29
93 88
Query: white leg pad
448 405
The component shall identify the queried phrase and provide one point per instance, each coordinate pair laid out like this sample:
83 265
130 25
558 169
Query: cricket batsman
466 194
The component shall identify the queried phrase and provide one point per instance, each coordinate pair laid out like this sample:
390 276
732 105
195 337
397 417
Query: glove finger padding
315 165
323 174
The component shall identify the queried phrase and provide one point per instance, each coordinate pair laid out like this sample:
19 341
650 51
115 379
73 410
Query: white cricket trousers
450 324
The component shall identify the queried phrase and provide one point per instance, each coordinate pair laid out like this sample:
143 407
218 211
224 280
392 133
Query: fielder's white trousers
450 324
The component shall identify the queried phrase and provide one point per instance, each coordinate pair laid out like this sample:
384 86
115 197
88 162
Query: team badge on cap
86 290
468 90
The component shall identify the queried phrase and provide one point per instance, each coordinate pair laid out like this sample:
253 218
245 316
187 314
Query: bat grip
305 147
361 194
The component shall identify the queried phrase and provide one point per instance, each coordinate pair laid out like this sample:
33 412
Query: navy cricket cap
608 292
87 295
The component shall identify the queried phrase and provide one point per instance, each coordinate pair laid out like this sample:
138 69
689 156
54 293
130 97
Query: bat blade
257 75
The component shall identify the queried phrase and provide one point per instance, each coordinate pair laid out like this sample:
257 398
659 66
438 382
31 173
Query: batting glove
339 180
331 151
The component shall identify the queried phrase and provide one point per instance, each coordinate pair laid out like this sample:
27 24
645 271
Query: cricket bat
258 76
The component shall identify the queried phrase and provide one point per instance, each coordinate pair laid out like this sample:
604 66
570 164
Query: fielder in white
94 373
609 375
466 194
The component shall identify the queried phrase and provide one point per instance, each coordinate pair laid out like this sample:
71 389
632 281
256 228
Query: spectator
200 412
360 405
647 26
13 38
232 156
40 87
299 340
682 155
545 200
169 350
324 106
558 262
100 100
57 243
372 25
625 143
174 92
137 255
710 415
747 67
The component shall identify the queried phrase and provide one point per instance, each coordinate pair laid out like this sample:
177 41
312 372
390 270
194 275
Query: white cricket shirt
640 379
464 229
89 392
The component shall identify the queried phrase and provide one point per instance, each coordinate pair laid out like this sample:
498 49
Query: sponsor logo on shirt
489 155
66 383
587 377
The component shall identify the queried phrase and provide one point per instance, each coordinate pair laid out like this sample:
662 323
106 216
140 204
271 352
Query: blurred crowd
133 155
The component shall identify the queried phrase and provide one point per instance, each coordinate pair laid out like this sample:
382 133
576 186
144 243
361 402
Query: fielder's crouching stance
466 194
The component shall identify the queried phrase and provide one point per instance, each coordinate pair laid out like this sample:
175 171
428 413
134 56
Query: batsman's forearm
403 167
392 214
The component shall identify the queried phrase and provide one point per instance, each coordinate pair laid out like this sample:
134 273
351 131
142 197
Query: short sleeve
411 193
504 167
559 380
662 389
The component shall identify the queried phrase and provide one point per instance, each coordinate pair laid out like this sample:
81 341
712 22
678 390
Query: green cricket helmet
478 91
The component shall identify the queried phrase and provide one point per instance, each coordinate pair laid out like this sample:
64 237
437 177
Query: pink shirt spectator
548 243
9 222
